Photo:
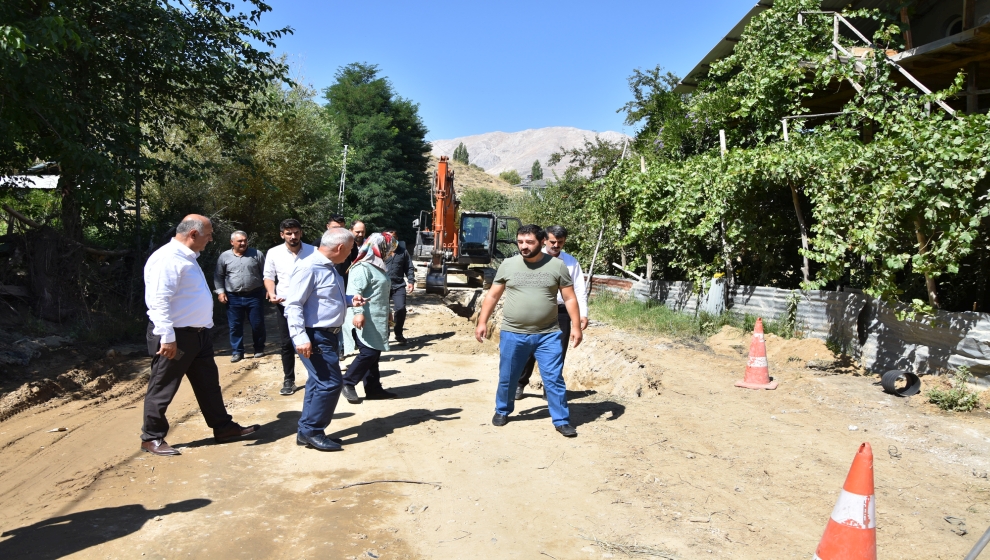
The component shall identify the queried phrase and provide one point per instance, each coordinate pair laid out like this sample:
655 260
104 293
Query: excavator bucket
436 281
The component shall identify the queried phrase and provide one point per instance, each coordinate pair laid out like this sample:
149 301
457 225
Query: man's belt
331 330
190 329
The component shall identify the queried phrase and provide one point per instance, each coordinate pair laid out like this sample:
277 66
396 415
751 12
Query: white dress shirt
578 278
175 291
316 297
279 264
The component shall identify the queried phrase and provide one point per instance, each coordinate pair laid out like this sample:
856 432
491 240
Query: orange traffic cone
851 533
757 370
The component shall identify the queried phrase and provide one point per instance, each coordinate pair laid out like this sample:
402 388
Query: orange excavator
482 238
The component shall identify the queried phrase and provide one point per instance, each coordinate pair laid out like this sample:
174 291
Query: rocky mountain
501 151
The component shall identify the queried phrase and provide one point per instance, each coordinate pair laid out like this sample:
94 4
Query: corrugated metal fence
858 324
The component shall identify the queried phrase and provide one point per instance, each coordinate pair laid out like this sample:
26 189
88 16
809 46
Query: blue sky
478 67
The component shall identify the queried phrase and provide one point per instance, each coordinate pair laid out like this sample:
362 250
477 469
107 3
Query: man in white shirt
315 306
554 246
279 263
180 309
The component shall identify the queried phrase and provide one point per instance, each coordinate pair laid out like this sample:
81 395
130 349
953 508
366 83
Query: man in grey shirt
239 283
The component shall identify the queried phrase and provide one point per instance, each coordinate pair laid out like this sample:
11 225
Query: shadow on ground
65 535
285 424
382 427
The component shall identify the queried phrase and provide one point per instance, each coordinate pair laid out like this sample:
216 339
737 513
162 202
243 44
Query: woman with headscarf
366 327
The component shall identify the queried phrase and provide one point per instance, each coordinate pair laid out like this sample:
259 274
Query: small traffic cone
851 533
757 370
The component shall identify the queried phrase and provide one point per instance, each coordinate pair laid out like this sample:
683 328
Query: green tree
101 86
511 176
461 154
481 199
536 172
388 156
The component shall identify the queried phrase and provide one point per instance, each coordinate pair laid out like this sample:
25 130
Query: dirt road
671 460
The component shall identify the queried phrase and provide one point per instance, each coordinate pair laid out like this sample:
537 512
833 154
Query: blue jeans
514 350
252 303
323 385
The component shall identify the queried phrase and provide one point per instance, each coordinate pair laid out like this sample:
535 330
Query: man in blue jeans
314 309
530 281
239 282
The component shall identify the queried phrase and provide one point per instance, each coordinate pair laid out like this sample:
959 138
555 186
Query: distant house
945 36
529 185
42 176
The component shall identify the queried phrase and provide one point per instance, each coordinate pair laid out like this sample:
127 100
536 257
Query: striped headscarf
377 248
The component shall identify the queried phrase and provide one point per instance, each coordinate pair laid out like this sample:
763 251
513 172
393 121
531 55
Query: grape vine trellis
891 189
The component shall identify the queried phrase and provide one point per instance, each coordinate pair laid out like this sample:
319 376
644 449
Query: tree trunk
805 268
54 273
922 250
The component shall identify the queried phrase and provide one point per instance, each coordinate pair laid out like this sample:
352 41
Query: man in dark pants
180 308
402 273
554 246
238 283
278 267
315 307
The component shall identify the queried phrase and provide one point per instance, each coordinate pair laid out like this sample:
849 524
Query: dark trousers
196 363
564 320
253 304
399 308
365 367
323 385
286 347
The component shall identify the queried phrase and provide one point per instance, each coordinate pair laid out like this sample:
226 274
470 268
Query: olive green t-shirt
531 293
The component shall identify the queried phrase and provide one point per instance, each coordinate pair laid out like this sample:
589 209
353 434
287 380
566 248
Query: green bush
511 176
958 398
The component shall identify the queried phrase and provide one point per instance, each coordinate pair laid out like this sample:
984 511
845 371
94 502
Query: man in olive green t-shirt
530 282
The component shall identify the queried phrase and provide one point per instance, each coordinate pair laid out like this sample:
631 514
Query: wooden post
721 140
972 98
805 268
784 123
969 14
730 277
908 40
642 164
930 286
649 268
594 256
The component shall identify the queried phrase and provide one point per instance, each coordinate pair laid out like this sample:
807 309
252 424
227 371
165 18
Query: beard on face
526 251
292 242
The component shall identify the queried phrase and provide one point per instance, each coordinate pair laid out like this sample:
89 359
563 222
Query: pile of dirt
77 383
807 352
614 363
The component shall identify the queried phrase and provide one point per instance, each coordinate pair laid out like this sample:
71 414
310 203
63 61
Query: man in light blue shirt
314 309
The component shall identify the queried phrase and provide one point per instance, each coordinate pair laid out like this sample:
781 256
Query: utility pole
343 177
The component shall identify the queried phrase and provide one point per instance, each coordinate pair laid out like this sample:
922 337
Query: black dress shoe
159 447
234 432
567 430
381 394
499 419
400 339
318 442
350 394
519 392
288 387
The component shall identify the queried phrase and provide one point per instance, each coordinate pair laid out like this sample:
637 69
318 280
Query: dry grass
467 177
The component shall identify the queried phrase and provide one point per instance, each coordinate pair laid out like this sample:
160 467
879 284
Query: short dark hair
389 230
338 218
532 229
560 232
289 224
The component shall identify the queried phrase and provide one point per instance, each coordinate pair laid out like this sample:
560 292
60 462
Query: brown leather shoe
234 432
159 447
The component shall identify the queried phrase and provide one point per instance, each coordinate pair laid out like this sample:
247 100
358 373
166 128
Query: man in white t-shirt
554 246
279 262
